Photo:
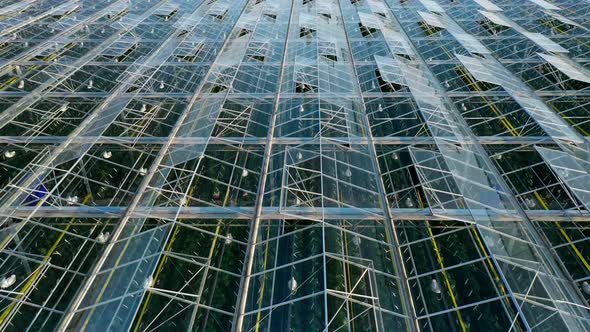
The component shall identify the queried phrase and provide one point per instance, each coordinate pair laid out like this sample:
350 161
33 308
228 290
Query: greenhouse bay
295 165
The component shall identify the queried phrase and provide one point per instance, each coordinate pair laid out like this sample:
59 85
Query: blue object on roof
36 195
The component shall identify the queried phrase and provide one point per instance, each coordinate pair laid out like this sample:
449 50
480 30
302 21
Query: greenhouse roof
307 165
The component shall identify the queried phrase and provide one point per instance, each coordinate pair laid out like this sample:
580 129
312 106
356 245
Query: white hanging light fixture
72 200
529 202
148 282
229 238
292 284
103 237
6 282
434 286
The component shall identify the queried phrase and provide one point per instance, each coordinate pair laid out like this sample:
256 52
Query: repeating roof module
295 165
